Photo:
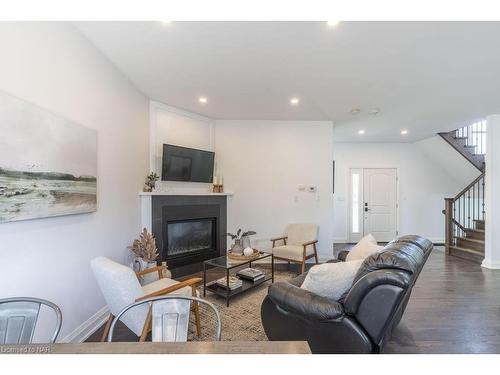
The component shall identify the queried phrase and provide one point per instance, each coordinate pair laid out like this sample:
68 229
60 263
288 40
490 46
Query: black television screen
187 164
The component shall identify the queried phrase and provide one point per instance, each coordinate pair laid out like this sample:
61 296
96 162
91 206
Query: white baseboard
436 240
340 240
87 328
490 265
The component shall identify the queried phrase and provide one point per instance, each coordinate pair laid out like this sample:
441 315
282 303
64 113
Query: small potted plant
145 251
151 182
241 240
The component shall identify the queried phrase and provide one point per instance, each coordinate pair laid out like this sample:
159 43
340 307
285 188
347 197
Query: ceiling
424 77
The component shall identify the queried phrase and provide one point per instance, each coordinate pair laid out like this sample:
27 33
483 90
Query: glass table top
226 262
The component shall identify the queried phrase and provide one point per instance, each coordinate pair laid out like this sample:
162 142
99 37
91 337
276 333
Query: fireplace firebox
185 237
188 230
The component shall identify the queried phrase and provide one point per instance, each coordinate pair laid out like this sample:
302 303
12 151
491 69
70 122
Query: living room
287 187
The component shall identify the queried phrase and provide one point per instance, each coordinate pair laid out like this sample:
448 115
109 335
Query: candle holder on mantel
218 185
218 188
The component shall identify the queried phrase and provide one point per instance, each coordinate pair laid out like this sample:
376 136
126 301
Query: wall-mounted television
187 164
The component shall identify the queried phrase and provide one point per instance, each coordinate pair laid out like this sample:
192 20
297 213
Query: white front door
373 203
379 206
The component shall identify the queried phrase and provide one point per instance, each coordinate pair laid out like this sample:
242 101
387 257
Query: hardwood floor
454 308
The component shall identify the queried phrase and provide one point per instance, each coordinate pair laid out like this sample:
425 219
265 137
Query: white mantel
146 204
148 194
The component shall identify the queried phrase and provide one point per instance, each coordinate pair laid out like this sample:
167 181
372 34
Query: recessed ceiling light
361 132
202 99
294 101
374 111
332 23
355 111
404 132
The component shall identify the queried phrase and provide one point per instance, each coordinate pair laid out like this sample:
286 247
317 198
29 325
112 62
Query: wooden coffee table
231 267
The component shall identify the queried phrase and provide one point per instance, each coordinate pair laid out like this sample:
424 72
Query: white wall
263 162
492 199
53 66
447 158
423 185
170 125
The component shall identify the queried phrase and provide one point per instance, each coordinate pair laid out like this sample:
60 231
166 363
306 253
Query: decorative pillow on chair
331 280
364 248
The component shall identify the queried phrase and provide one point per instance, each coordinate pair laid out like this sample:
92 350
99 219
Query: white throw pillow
331 280
364 248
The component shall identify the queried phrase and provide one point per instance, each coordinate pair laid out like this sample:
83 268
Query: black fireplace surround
188 230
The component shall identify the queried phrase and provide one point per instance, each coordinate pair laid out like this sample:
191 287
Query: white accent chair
299 244
120 287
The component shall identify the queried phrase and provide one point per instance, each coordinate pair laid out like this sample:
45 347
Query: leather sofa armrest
342 255
296 300
370 281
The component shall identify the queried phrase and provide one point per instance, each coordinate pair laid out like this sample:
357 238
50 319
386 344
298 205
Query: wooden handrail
468 187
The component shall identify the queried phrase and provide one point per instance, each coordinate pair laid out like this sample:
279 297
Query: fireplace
187 237
188 230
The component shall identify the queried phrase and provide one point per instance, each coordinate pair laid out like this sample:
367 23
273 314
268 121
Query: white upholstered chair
120 287
299 244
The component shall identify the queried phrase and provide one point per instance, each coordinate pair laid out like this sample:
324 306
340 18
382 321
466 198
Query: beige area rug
241 320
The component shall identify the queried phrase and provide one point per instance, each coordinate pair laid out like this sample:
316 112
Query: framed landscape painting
48 164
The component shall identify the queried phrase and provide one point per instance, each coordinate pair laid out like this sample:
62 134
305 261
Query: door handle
367 209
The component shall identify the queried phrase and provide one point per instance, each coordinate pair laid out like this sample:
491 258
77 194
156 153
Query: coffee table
230 265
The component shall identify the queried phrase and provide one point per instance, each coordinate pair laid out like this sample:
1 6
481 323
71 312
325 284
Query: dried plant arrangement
145 246
238 233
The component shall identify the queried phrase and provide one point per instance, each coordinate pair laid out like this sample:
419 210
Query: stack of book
234 283
251 274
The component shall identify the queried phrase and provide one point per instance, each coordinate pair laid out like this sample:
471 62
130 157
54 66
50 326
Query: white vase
140 265
245 242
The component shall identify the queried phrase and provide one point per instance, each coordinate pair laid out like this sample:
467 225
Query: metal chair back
18 318
170 317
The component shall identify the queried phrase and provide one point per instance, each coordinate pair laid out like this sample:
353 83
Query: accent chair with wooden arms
120 287
298 244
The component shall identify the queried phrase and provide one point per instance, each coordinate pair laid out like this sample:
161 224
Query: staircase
465 213
470 142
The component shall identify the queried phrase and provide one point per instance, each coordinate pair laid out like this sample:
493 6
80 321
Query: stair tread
479 220
470 239
466 250
475 230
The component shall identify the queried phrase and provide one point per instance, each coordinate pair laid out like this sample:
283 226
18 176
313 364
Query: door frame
349 234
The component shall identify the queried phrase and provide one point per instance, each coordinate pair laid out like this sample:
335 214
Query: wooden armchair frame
304 252
192 282
283 238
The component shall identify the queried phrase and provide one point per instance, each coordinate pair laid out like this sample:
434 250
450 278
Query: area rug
241 320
